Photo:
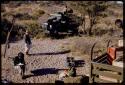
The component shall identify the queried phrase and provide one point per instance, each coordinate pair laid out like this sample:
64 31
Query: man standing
65 9
27 42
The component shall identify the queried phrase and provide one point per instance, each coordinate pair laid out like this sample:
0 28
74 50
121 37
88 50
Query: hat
20 54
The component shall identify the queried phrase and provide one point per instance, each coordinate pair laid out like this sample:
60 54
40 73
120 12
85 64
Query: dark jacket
27 39
18 60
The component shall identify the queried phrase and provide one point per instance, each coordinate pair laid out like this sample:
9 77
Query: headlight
44 25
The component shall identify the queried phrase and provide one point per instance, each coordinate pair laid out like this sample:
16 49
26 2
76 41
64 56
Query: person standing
28 42
65 9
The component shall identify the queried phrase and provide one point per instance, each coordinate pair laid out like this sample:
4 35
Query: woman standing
27 42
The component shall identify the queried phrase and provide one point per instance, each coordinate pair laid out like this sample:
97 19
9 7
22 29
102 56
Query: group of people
18 60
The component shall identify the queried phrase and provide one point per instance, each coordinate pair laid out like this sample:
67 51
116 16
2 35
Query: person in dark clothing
20 62
27 42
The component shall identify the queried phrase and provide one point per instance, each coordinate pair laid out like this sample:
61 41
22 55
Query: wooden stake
8 35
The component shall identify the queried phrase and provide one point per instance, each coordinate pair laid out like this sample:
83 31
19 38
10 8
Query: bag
72 72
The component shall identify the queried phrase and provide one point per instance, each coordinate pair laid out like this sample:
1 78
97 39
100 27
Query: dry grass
38 13
104 27
32 11
82 45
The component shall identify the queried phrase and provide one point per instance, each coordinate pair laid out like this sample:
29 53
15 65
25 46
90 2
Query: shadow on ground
79 63
43 71
50 53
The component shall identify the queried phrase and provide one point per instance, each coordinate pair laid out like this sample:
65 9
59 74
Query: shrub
41 12
42 4
24 16
13 4
3 36
34 28
38 13
6 25
8 14
99 32
40 35
3 8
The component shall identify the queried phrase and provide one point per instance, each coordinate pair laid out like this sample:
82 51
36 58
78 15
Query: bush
38 13
41 12
3 36
3 8
24 16
14 4
99 32
40 35
34 28
42 4
8 14
6 25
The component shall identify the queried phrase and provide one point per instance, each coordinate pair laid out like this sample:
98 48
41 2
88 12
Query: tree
93 9
81 10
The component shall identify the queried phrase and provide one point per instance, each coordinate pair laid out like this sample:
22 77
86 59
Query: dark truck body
62 23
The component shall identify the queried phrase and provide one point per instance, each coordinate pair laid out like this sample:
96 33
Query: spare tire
118 23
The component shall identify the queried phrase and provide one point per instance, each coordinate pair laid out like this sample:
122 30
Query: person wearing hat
27 42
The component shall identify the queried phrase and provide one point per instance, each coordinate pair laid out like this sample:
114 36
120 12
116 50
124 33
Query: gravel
46 60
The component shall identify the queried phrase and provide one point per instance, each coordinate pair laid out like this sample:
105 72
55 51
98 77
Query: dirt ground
47 59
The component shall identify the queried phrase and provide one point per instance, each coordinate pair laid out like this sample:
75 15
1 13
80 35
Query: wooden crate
120 43
103 73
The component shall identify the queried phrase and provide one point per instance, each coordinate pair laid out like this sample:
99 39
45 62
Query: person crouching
19 63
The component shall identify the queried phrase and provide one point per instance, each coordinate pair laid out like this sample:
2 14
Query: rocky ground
47 58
